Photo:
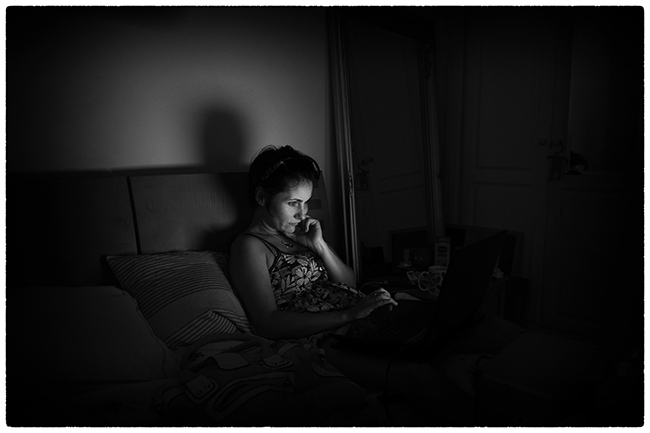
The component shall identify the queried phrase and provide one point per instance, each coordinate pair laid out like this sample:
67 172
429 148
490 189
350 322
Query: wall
116 88
145 88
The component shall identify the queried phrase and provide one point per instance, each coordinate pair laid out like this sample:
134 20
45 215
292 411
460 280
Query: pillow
82 334
183 295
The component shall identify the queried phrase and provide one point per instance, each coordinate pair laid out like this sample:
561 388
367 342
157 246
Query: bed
110 278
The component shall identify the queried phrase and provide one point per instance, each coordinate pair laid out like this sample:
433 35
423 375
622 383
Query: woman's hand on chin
308 233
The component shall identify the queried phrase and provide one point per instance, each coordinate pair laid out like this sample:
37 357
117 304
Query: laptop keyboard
404 328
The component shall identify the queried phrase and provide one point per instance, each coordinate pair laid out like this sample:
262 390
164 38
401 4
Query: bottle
442 251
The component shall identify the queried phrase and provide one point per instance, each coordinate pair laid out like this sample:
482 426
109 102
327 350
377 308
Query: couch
110 277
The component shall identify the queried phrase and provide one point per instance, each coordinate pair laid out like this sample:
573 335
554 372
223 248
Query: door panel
595 249
387 133
503 204
516 70
510 79
583 241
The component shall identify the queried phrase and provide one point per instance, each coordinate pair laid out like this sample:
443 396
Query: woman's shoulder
250 242
249 250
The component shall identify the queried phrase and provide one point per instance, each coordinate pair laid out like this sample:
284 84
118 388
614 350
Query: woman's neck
260 226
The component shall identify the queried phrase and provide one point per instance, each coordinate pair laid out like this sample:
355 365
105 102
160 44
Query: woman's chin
290 230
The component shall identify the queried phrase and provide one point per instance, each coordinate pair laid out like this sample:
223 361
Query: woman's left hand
308 233
371 302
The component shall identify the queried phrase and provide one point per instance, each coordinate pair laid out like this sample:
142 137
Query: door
594 248
387 137
593 283
531 99
516 102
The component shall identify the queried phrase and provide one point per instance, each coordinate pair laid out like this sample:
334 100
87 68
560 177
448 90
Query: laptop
423 327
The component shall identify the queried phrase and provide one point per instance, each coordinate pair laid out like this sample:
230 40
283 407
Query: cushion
183 295
82 334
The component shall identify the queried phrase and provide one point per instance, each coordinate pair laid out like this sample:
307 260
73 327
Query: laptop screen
466 281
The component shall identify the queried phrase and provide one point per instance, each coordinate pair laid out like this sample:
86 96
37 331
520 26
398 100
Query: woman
293 285
289 280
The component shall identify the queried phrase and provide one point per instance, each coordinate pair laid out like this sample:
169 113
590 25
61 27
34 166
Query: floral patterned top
301 284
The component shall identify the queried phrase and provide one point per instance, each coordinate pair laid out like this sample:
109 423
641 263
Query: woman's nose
301 214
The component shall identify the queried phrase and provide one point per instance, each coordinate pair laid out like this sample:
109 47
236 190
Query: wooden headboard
188 212
60 227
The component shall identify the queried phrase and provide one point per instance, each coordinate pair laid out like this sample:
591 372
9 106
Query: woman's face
288 208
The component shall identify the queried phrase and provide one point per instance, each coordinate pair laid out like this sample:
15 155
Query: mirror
386 145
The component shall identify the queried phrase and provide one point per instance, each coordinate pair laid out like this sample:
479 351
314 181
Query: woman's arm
250 278
336 269
310 234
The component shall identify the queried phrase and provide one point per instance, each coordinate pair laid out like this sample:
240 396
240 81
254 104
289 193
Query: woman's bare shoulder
249 264
248 247
247 242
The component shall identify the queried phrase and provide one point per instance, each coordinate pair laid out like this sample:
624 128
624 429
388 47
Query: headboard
189 211
60 227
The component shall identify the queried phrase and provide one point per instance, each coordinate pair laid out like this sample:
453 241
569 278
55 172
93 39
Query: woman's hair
278 169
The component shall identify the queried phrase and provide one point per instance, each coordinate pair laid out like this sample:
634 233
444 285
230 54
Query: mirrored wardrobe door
389 148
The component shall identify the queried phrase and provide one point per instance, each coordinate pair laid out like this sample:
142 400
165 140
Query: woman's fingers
374 300
308 222
382 297
305 226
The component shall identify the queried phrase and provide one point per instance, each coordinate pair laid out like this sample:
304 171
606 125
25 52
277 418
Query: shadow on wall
223 143
222 140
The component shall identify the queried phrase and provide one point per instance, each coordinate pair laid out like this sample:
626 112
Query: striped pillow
183 295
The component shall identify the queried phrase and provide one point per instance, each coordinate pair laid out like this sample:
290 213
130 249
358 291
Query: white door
516 99
582 233
594 249
387 134
593 284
